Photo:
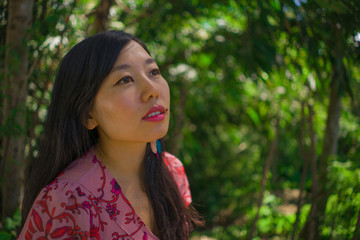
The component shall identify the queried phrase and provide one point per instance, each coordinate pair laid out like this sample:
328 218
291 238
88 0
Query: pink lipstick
155 114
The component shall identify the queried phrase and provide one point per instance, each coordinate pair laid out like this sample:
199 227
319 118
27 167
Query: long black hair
65 137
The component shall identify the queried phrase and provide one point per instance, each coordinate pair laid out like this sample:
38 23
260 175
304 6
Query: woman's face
132 104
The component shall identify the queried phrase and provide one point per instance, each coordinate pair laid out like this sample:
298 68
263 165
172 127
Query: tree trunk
330 143
305 159
314 185
317 212
14 89
268 162
101 15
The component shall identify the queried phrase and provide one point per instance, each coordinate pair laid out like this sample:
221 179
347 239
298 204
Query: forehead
132 50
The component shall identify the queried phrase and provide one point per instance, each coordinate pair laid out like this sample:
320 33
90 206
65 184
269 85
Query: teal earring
158 148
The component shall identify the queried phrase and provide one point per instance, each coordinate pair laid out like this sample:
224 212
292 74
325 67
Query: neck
123 159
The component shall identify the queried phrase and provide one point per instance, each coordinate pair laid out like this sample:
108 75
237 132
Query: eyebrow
125 66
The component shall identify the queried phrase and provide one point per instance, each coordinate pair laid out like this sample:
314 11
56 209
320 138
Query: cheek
112 109
121 108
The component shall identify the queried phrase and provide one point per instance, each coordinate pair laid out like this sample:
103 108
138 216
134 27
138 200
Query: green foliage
232 67
343 205
10 226
228 233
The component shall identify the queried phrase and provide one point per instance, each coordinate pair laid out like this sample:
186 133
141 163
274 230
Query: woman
100 172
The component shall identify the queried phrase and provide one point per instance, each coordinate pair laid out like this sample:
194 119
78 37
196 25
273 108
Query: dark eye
124 80
155 72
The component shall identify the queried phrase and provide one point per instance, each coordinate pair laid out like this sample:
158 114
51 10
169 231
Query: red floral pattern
111 209
85 202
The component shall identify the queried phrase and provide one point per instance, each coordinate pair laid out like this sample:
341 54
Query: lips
155 114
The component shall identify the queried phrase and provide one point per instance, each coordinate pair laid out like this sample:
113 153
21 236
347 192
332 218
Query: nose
149 90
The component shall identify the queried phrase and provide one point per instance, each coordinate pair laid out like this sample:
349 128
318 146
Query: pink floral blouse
86 202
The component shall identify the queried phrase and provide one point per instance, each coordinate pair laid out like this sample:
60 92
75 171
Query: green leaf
5 236
253 115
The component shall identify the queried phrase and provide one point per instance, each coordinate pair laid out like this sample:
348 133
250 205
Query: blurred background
265 105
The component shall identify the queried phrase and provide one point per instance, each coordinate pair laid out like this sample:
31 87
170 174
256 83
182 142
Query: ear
90 122
153 146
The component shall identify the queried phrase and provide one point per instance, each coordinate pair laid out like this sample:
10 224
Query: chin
160 133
